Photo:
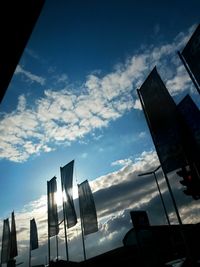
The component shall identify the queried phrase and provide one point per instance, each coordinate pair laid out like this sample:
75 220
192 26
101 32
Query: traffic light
190 180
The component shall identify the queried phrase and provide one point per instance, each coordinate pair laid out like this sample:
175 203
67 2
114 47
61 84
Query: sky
73 96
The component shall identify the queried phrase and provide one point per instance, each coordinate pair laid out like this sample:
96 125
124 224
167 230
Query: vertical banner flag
191 54
52 207
87 208
67 185
162 118
33 235
190 115
140 219
13 238
5 249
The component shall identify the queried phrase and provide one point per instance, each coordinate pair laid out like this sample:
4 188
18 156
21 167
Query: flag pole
30 247
29 256
187 250
49 250
82 233
166 178
189 72
64 219
57 247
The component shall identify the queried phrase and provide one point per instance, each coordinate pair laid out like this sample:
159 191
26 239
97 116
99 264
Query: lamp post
154 174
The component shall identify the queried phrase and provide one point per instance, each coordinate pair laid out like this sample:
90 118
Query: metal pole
187 249
65 227
30 247
29 256
167 181
167 217
173 199
57 247
189 72
153 172
83 240
49 251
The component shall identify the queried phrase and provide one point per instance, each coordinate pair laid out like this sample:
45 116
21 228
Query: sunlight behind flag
68 203
52 207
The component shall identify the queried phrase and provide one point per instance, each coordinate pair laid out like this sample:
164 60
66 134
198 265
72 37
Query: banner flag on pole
33 235
162 118
13 238
87 208
67 187
52 207
190 115
191 54
5 249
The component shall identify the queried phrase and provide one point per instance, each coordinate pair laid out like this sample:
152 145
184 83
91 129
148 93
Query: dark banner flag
190 115
33 235
191 54
52 207
161 115
87 208
13 238
67 188
17 21
5 249
140 219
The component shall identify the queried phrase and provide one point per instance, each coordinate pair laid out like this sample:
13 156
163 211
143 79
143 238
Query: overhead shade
17 20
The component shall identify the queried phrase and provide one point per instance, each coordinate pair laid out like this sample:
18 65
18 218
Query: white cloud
32 77
60 117
62 78
142 134
115 194
122 162
146 160
180 81
21 103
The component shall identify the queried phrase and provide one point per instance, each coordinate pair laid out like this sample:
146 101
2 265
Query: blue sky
70 98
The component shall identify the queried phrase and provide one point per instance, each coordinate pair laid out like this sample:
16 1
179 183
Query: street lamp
154 173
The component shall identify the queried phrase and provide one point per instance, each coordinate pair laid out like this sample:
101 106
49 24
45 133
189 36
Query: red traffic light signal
190 180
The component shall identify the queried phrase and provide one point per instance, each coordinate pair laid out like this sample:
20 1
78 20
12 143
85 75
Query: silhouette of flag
190 115
52 207
33 235
68 203
162 118
5 250
87 208
191 54
13 238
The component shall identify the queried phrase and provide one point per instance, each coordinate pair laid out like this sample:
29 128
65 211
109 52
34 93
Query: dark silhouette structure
159 244
162 243
17 20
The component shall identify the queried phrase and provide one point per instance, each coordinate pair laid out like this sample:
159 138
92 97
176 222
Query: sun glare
60 195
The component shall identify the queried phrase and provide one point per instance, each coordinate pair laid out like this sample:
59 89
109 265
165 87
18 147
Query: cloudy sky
73 96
